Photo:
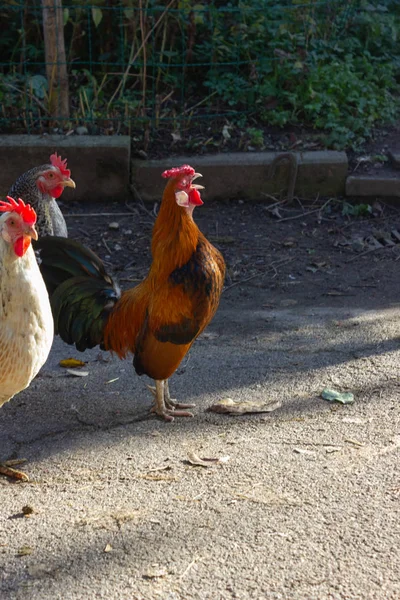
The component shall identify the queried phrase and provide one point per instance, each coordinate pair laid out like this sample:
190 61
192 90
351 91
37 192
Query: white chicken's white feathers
26 322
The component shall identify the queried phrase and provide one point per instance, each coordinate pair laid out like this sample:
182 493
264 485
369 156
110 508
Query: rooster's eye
12 222
50 175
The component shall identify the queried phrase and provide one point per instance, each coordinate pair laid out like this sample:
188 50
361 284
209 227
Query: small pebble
114 226
81 130
357 245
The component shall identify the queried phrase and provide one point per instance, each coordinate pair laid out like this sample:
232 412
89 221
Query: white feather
26 322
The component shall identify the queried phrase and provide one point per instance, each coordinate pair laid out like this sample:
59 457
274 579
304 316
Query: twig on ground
276 202
106 245
367 252
140 202
83 232
362 221
299 201
130 263
190 565
260 273
395 247
316 200
104 214
310 212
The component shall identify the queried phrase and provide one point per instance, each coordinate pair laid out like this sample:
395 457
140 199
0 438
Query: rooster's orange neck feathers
175 234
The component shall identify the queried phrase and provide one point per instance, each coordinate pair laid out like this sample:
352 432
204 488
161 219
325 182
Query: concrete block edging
103 170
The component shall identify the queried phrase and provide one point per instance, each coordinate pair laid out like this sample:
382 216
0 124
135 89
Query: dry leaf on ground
236 407
24 551
196 461
78 373
71 363
155 572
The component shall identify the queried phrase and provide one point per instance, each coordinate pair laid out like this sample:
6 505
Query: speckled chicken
26 322
41 186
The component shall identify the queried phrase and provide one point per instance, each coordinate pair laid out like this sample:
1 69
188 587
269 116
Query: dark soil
221 135
373 158
306 255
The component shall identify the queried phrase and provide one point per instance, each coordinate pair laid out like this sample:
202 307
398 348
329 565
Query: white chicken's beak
31 232
196 175
196 186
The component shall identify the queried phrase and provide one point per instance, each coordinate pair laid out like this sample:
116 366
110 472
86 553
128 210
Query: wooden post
56 64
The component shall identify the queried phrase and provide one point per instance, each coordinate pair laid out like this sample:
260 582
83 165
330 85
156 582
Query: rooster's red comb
177 171
61 164
25 210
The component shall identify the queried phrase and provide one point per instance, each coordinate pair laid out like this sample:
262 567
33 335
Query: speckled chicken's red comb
61 164
176 171
25 210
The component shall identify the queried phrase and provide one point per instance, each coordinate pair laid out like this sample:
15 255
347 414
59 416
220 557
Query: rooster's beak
68 183
196 186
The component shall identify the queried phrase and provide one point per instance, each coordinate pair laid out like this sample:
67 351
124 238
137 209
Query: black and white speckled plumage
50 220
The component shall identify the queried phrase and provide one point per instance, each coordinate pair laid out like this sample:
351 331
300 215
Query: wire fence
127 66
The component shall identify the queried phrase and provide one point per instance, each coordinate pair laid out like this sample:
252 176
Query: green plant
356 210
256 136
184 64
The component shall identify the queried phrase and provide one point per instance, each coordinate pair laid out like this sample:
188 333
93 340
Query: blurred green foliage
330 65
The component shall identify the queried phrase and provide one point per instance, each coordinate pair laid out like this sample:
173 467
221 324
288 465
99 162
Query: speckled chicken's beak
68 182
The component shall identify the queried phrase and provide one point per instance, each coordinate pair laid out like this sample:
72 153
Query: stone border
103 170
246 175
373 186
100 165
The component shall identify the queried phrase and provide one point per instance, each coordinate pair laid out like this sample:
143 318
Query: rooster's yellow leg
169 402
8 471
166 409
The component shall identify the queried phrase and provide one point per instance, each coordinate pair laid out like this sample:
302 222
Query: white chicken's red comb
177 171
25 210
60 164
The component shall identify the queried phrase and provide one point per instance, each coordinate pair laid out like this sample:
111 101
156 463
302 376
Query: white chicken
26 322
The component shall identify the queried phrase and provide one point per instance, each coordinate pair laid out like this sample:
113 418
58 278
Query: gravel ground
307 505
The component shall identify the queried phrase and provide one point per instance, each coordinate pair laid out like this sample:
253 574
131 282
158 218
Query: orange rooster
159 319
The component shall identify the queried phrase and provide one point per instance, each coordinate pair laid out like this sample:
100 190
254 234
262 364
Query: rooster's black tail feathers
82 294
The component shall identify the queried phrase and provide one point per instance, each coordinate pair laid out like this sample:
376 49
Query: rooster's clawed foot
165 407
